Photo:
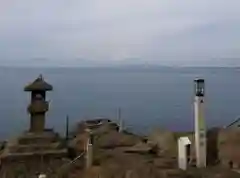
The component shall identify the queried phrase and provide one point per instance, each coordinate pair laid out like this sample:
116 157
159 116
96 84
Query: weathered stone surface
164 163
79 142
141 148
114 161
164 140
38 85
229 146
115 139
31 167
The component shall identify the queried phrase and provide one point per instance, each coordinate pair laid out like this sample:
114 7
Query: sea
149 98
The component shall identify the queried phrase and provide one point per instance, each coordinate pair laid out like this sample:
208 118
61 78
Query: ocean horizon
152 97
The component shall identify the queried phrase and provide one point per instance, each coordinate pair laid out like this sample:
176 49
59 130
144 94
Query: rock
229 146
115 139
79 142
212 146
164 140
174 173
140 148
162 164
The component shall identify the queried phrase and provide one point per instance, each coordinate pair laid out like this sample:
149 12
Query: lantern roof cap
199 80
38 84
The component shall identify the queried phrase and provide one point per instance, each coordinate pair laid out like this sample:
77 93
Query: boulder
115 139
229 146
141 148
165 141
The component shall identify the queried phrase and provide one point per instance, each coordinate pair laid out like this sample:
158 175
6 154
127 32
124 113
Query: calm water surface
149 98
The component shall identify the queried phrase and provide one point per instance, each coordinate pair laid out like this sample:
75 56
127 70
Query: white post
200 128
89 155
120 121
183 142
42 176
121 126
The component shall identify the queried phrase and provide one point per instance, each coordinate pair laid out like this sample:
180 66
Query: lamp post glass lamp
200 127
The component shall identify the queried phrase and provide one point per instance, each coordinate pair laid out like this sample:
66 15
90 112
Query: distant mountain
127 64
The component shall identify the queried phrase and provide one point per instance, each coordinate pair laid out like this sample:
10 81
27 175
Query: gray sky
104 31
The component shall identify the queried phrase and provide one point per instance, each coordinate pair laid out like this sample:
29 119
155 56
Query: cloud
115 30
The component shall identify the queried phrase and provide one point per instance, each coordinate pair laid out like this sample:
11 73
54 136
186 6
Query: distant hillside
132 64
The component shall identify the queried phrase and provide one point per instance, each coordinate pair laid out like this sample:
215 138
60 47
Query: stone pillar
37 123
38 106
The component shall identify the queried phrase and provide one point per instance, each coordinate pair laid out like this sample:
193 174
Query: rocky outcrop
115 139
123 155
98 129
229 146
164 140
